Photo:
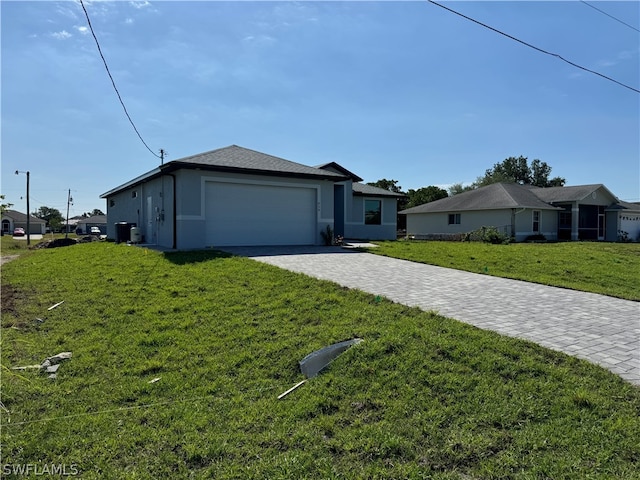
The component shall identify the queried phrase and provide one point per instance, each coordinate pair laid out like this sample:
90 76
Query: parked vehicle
95 231
18 232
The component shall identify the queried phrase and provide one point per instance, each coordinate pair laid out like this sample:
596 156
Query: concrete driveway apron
601 329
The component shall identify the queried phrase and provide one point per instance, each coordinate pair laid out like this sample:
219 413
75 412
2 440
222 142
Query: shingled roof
21 217
371 191
492 197
238 160
235 158
569 194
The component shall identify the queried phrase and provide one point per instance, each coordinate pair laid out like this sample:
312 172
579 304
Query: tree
517 170
425 195
514 170
94 213
391 185
459 188
4 206
52 216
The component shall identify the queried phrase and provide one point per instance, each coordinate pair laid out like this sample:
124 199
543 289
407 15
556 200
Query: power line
610 16
536 48
112 81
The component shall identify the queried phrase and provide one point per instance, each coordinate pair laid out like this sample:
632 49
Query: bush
488 235
327 236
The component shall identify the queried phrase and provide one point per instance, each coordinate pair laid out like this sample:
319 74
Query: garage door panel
249 214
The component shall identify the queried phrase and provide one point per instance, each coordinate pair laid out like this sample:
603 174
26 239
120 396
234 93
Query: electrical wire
610 16
9 423
535 48
113 82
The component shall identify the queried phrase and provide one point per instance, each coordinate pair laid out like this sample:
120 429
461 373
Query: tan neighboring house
12 219
582 212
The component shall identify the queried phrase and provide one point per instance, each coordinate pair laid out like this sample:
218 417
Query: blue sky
396 90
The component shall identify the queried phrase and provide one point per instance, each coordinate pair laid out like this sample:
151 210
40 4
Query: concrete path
601 329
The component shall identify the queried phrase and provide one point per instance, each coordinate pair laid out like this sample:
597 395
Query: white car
95 231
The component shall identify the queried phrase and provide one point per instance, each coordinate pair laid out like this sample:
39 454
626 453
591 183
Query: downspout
513 221
173 214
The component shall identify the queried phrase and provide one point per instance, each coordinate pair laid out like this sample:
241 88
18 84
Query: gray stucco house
235 196
583 212
13 219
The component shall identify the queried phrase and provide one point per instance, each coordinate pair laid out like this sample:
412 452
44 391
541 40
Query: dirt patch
58 242
7 258
9 295
65 242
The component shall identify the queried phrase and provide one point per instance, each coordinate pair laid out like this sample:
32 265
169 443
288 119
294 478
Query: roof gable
337 168
574 193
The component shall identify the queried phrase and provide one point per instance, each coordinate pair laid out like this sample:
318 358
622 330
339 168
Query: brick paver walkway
601 329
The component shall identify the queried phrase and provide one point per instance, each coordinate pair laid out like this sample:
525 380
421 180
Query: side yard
178 359
606 268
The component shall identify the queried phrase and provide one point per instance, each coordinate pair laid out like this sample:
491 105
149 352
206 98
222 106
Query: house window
112 203
134 194
372 212
454 219
536 221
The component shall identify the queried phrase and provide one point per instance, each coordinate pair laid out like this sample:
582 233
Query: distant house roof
21 217
570 194
95 219
492 197
626 206
369 190
235 159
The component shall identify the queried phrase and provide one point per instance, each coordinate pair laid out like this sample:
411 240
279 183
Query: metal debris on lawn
313 363
56 305
316 361
154 380
284 394
50 365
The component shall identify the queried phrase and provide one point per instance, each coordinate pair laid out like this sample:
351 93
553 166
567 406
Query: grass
422 397
605 268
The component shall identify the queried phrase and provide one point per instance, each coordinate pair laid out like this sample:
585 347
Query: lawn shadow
195 256
270 251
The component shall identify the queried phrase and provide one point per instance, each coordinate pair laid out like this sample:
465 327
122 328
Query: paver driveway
601 329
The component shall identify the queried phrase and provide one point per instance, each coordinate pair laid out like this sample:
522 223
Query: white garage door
248 214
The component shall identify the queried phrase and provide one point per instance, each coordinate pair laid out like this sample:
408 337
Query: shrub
488 235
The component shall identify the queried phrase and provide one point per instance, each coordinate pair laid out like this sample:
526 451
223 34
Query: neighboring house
71 225
13 219
583 212
84 225
628 220
234 196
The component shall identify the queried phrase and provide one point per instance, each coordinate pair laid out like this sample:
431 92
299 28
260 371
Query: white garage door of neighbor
247 214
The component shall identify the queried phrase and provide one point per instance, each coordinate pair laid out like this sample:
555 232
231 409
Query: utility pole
66 226
28 214
162 153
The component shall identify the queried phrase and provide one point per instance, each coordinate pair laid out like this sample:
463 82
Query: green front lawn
422 397
606 268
